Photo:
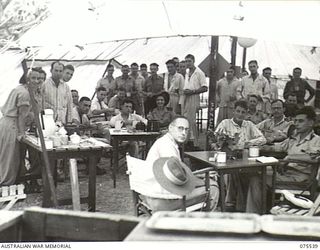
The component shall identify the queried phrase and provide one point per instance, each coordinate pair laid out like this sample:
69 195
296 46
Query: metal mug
221 157
254 151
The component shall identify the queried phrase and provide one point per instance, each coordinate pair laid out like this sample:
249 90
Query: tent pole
212 83
244 57
47 168
234 50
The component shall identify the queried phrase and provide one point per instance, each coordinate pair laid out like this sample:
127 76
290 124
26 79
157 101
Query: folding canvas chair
307 188
139 187
9 195
288 210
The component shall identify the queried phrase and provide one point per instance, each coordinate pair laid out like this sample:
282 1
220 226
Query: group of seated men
294 137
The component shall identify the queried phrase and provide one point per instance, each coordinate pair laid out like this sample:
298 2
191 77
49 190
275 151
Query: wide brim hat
165 181
165 95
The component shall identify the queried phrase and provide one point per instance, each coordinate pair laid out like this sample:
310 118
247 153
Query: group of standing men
184 82
260 91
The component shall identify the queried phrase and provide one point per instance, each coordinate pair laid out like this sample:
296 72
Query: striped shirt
247 132
58 99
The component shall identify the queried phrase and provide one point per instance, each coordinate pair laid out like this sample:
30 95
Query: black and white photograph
153 124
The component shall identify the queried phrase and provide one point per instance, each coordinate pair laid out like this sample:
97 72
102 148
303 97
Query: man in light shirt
168 146
57 94
267 72
195 84
80 112
246 134
227 93
254 114
80 117
139 81
173 84
255 83
127 119
297 147
67 72
75 98
276 128
108 82
99 108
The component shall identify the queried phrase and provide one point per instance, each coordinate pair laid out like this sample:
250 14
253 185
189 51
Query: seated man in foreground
297 146
245 134
164 155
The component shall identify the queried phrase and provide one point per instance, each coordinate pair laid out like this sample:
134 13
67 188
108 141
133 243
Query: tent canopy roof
286 21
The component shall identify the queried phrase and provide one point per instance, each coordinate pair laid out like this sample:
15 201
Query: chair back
308 187
136 171
315 207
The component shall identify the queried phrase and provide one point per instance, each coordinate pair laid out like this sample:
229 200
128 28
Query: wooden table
124 135
91 150
142 233
234 166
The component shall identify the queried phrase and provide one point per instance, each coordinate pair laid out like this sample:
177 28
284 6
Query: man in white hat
170 178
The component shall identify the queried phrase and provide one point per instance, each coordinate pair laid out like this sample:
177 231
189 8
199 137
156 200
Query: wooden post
244 57
75 190
35 110
212 83
234 50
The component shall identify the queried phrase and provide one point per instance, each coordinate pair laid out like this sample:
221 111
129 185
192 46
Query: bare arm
22 114
311 92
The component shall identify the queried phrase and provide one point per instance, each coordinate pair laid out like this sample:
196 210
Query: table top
125 132
203 157
85 144
216 226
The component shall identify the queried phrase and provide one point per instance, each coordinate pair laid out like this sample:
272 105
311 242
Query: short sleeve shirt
154 84
196 80
260 86
18 97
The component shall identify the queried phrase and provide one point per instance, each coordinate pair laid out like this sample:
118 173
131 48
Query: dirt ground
108 199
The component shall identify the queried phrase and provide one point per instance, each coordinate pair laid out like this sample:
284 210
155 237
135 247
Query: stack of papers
265 159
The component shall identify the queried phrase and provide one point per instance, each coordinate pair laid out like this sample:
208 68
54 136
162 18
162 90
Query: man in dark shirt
153 86
291 105
129 84
299 87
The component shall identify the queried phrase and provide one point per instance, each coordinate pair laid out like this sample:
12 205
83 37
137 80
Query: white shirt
196 80
132 117
163 147
260 86
97 105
